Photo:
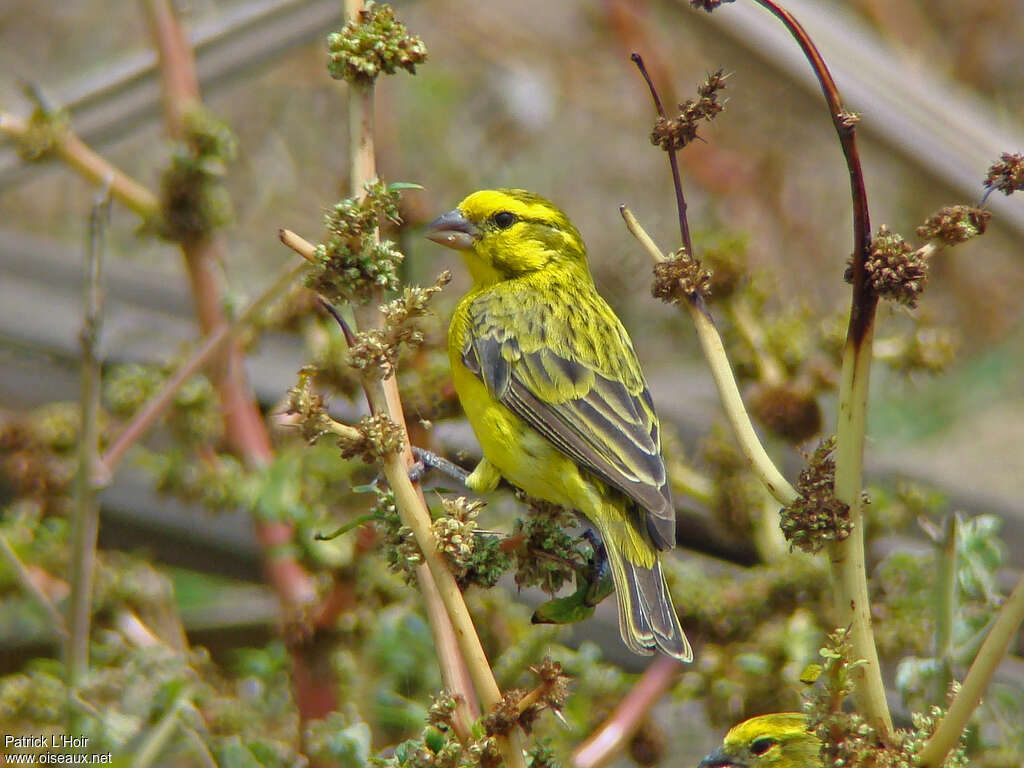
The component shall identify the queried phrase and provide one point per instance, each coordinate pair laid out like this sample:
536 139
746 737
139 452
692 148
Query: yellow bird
779 740
551 385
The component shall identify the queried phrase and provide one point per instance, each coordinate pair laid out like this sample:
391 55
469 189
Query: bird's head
508 233
779 740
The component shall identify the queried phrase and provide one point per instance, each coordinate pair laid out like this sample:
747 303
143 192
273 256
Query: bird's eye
504 219
762 745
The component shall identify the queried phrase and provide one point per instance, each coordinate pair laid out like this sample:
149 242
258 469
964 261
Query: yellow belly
528 461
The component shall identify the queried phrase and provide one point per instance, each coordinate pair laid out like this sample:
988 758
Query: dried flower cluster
46 129
1006 176
399 544
351 265
377 42
547 555
378 437
521 708
680 277
676 133
375 352
955 224
895 270
816 517
193 199
309 405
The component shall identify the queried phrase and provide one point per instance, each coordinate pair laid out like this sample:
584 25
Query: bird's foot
427 460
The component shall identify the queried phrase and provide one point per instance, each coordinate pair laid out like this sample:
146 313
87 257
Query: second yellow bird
551 385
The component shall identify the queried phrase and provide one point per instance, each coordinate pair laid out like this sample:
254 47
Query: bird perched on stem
551 385
780 740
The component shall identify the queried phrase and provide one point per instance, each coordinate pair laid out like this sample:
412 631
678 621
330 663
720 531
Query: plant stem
945 591
211 346
992 651
849 571
245 431
158 736
728 391
614 733
85 516
847 557
436 581
24 578
92 167
449 618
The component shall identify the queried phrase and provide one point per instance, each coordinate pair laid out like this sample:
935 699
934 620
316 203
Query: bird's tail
647 619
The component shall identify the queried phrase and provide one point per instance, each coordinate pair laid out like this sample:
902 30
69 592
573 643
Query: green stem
946 599
992 651
728 390
85 515
158 736
846 557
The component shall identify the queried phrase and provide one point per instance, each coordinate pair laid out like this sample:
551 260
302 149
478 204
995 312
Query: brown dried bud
895 270
955 224
680 277
1006 176
505 716
848 119
790 411
817 517
708 5
311 406
676 133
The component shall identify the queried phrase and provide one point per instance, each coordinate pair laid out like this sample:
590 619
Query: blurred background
543 96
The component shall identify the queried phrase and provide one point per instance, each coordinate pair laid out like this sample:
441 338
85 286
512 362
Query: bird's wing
588 399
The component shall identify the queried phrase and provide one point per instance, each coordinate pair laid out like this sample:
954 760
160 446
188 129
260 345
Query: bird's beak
719 759
453 230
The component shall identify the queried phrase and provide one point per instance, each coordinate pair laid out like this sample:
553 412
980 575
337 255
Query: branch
158 404
69 148
446 608
85 516
992 651
245 431
614 733
728 391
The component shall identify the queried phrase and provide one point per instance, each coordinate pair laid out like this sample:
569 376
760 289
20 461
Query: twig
992 651
91 166
85 519
673 160
159 402
614 733
728 391
24 578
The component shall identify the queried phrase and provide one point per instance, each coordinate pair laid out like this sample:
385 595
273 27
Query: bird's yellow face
508 233
779 740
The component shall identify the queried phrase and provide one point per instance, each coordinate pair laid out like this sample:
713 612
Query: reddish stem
614 733
864 299
245 431
673 160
